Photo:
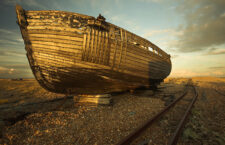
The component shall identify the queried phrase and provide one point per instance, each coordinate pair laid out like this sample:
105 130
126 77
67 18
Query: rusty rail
175 136
127 140
219 92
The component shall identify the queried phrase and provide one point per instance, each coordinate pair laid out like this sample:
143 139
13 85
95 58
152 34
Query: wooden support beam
102 99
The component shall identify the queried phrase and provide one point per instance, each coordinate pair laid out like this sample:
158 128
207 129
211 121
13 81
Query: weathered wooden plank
42 45
52 58
135 64
99 47
131 60
106 50
57 25
55 12
134 37
56 37
102 48
56 44
78 64
144 68
125 49
67 73
54 32
143 60
54 28
41 61
91 45
121 48
61 41
84 45
147 54
142 65
94 54
73 54
114 54
137 57
88 46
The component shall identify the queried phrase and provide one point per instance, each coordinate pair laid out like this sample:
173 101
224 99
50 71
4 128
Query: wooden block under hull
101 99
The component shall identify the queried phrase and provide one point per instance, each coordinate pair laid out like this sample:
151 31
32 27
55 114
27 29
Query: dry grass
27 90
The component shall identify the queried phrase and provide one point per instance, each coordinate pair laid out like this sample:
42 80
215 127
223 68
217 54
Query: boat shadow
10 115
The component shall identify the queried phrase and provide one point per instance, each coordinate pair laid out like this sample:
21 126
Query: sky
191 31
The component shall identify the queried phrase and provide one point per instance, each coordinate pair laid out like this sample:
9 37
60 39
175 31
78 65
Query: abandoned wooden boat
72 53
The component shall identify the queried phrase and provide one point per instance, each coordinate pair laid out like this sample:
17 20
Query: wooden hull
77 54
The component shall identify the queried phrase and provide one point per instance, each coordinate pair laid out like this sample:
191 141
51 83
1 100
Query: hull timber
72 53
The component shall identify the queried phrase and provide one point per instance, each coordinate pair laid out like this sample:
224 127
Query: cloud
104 4
215 51
15 71
217 67
11 70
130 25
4 70
218 70
29 3
6 31
188 73
172 32
11 53
154 1
192 73
10 37
218 73
163 38
8 41
17 66
204 25
174 56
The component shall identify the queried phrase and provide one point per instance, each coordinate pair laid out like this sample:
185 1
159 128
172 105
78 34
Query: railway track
178 110
219 92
